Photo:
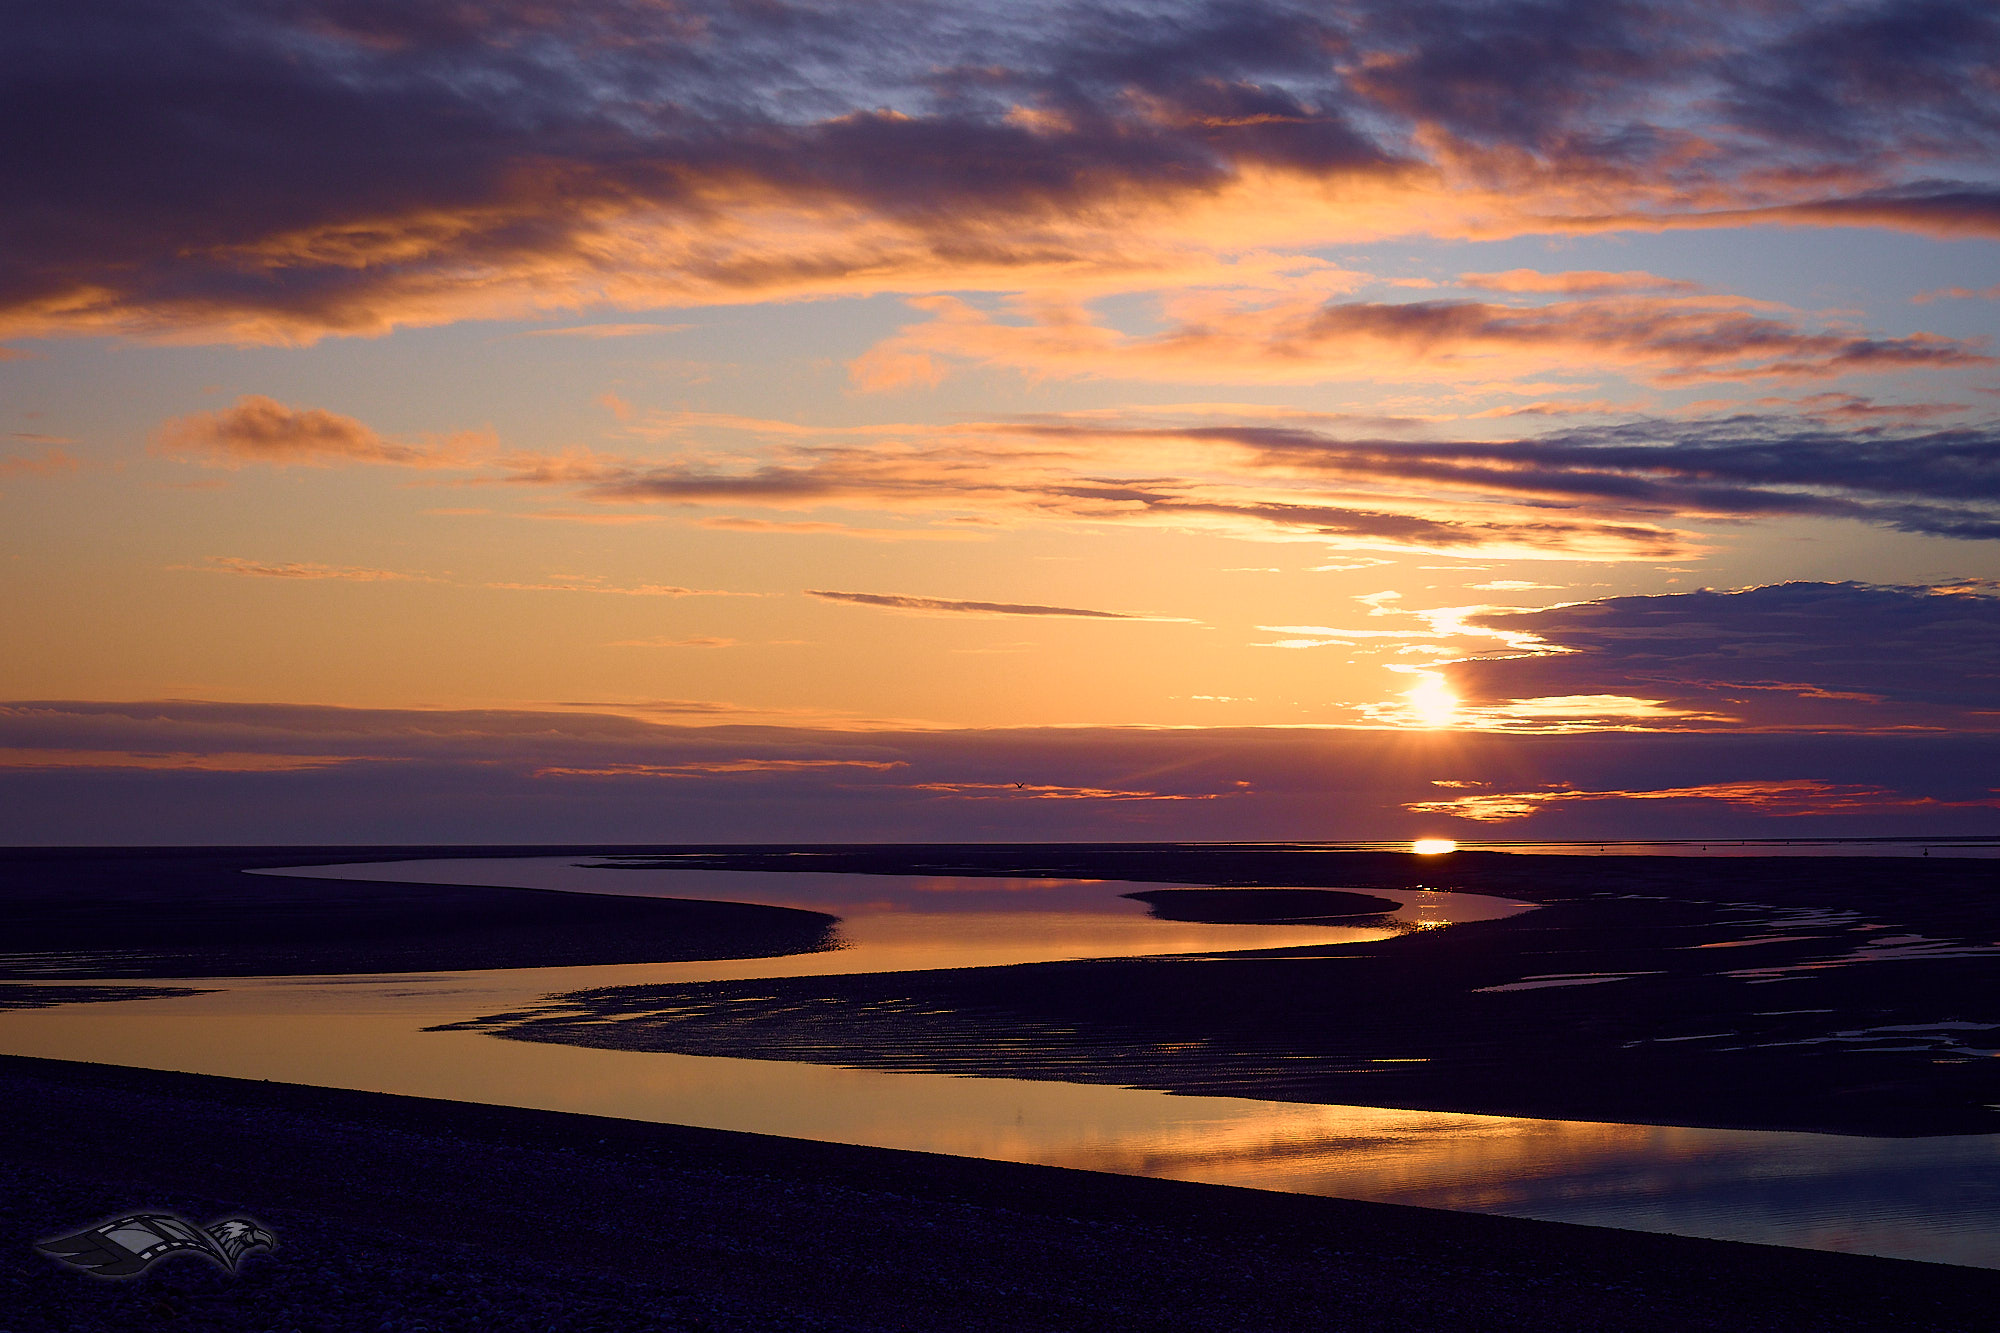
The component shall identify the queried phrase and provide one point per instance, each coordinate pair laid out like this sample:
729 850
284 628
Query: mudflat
1852 995
1837 994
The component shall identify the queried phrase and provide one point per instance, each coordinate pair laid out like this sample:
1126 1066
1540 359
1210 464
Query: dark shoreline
159 913
405 1213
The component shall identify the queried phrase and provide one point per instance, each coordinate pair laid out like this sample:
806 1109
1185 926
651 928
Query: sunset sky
510 420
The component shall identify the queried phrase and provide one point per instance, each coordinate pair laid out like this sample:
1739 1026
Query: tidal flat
1843 996
1853 995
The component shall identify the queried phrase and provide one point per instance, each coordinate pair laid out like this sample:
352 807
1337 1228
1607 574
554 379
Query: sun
1433 702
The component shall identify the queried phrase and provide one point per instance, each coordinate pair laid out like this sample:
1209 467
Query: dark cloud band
1838 656
279 169
184 772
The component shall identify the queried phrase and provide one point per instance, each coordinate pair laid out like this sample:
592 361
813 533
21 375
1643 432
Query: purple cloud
1836 656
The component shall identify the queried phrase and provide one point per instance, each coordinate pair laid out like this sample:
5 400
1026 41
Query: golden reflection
368 1033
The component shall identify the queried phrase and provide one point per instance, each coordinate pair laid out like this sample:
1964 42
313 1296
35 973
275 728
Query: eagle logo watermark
129 1245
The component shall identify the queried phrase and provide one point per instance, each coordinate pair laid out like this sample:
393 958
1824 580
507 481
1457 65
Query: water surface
1936 1198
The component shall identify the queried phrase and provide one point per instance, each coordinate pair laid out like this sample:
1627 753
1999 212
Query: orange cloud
1958 294
309 571
719 767
1212 338
1574 283
1029 791
1193 479
257 429
50 462
1588 492
231 564
1796 797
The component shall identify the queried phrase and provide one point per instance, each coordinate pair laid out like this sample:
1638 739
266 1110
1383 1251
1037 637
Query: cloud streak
1575 282
303 570
1661 339
592 583
1801 797
952 606
1091 474
1603 492
311 571
1598 492
1945 482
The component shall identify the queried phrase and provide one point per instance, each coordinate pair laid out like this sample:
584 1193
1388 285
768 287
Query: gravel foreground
405 1214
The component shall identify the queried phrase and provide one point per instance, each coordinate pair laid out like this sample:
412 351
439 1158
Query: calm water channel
1935 1198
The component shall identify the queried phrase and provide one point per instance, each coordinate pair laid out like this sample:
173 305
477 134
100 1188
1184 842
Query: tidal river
1930 1198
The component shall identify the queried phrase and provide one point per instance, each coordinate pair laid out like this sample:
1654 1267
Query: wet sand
403 1213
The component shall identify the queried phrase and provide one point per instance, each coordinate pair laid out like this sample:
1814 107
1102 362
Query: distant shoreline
150 913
